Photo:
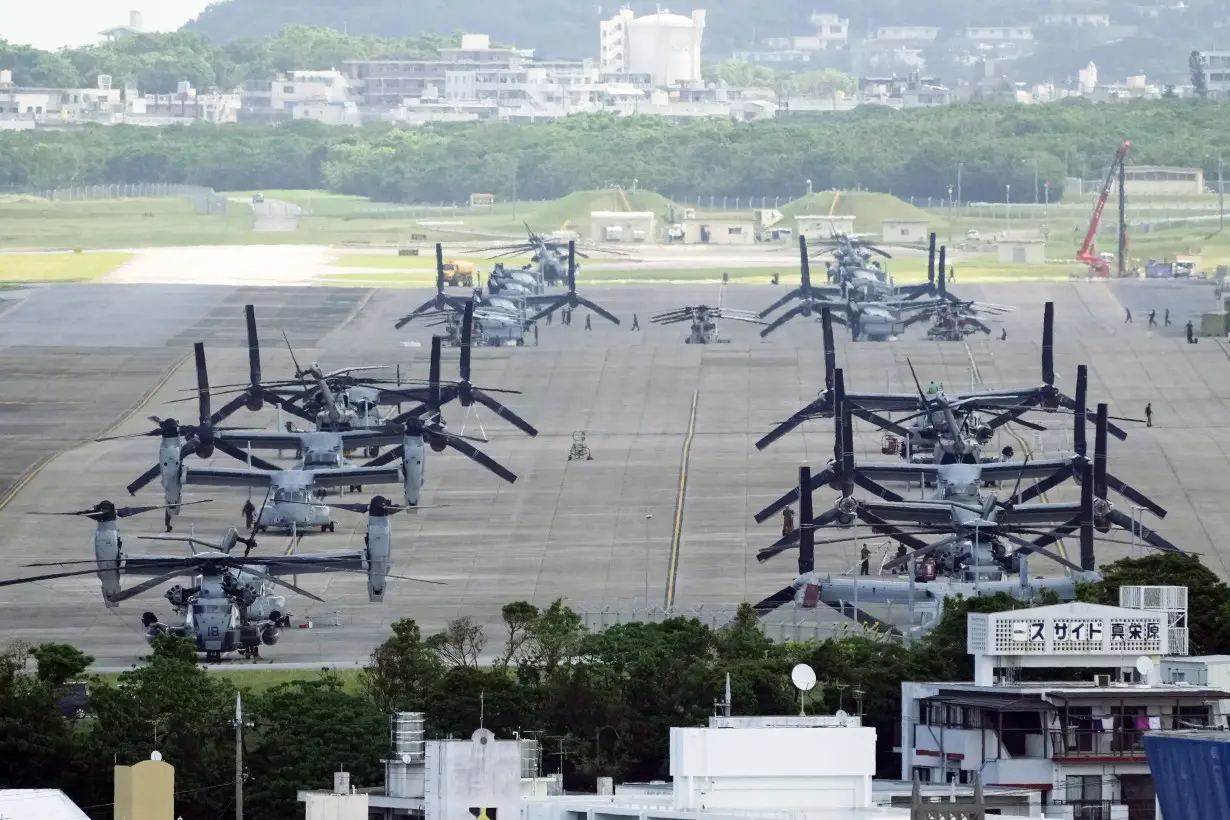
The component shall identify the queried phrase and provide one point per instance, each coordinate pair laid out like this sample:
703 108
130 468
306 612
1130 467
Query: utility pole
238 756
960 168
648 518
1221 190
1123 237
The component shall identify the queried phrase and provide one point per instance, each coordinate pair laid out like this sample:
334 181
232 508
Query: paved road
578 529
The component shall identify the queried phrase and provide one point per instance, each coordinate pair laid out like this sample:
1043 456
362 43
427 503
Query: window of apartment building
1083 788
736 231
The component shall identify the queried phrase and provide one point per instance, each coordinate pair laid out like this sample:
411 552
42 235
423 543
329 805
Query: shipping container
1191 773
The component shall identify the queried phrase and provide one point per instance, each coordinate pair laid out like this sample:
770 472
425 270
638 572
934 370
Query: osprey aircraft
230 605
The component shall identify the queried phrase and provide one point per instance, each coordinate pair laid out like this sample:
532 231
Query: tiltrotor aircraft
229 605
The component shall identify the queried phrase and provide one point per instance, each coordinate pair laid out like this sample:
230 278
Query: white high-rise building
663 45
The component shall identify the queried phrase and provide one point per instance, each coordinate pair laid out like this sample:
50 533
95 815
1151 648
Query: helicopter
704 320
230 605
549 263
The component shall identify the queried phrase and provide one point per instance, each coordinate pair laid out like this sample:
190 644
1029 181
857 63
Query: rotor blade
551 308
1135 496
1123 521
254 349
294 361
601 311
878 420
1021 542
785 317
472 452
146 586
202 384
811 411
1053 480
125 512
817 480
231 450
504 413
387 457
273 579
467 329
1079 442
792 294
774 601
143 479
1048 343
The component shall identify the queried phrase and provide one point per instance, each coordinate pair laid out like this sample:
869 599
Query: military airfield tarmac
79 361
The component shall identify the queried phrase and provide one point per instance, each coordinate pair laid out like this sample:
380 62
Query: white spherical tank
666 46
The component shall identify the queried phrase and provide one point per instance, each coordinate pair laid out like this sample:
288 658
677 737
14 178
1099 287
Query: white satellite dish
803 677
155 756
842 714
1144 665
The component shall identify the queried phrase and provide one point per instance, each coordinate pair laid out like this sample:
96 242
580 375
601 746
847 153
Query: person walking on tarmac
636 323
248 512
864 567
535 334
787 522
549 315
1191 336
1128 316
588 325
1153 318
1003 337
1149 414
1166 317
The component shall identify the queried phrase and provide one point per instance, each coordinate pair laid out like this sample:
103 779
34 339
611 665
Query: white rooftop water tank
666 46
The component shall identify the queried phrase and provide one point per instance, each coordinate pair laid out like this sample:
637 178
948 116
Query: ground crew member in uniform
248 512
952 273
864 567
787 522
588 325
900 556
549 315
1128 319
1166 317
535 334
1153 318
636 323
1003 337
1190 334
1149 414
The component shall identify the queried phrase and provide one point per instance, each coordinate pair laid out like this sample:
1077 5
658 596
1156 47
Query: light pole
648 518
960 168
952 213
1046 205
1008 202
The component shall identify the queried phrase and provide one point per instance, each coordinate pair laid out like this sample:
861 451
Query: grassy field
261 680
27 222
58 267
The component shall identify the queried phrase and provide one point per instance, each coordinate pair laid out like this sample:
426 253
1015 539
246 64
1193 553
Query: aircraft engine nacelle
255 402
107 553
412 468
170 471
984 434
379 557
270 635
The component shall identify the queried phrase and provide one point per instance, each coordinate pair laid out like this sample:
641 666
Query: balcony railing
1081 809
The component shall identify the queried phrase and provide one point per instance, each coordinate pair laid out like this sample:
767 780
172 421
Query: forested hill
558 28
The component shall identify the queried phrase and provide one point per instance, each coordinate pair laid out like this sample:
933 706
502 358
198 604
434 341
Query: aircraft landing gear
330 527
213 656
166 520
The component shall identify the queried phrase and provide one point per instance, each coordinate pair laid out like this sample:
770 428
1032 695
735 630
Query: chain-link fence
207 200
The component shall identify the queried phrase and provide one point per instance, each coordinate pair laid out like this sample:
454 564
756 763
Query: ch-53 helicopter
549 261
703 320
230 605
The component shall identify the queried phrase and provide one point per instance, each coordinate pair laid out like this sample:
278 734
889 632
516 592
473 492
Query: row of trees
605 700
156 63
917 153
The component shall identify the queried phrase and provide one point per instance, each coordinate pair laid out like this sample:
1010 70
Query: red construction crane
1087 252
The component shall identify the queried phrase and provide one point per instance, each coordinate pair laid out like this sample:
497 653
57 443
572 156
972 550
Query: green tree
401 671
303 731
1199 84
37 745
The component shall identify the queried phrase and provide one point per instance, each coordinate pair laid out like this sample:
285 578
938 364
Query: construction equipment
459 273
1087 252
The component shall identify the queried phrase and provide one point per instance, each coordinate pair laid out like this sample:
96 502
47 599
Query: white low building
1079 742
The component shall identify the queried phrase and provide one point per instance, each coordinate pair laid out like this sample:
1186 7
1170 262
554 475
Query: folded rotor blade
603 312
1029 547
820 407
1053 480
817 480
551 308
387 457
793 294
